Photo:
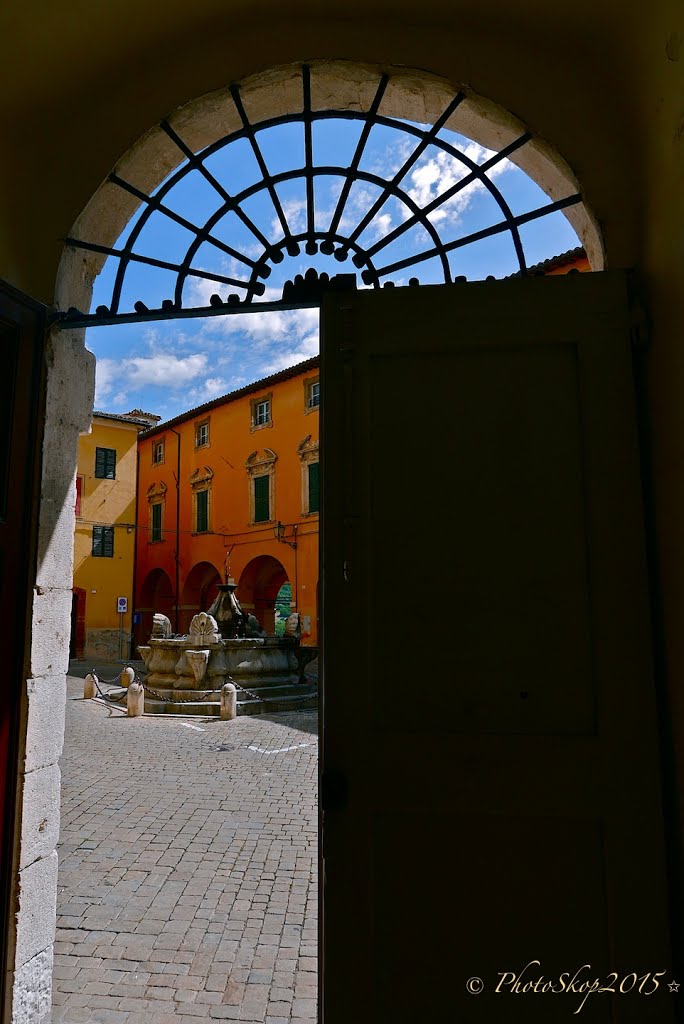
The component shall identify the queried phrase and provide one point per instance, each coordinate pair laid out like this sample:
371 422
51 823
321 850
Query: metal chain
275 700
175 700
193 698
112 700
109 681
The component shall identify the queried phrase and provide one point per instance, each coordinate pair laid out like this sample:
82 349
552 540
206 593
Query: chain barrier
105 696
109 682
193 698
275 700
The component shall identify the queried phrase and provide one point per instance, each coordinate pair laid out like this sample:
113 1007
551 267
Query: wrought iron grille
341 239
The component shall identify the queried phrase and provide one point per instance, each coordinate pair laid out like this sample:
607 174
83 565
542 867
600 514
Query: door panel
22 332
488 706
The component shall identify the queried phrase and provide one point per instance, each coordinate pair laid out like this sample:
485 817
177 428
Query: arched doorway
77 632
199 591
156 595
258 589
258 578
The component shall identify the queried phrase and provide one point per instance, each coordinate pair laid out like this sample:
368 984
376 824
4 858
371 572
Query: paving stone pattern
187 869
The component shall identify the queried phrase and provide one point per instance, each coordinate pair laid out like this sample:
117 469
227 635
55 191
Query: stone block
37 908
45 725
70 391
51 627
40 815
56 540
32 990
135 700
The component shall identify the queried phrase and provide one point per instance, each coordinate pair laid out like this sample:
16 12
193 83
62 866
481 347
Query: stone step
280 698
186 707
258 707
276 690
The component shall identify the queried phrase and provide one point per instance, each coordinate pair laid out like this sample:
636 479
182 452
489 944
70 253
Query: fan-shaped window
280 209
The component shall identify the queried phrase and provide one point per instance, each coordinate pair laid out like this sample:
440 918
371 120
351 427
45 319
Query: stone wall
70 392
106 645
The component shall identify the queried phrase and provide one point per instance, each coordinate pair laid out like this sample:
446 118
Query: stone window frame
308 452
308 386
253 405
201 481
159 443
206 422
261 463
156 495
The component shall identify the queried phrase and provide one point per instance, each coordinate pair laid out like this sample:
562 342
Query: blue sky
171 366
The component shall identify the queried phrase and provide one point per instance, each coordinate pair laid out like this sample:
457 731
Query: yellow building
104 538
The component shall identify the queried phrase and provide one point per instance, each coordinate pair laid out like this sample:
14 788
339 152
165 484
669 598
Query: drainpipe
178 469
132 652
296 607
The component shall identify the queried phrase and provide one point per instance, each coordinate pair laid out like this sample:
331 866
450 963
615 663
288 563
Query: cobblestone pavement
187 877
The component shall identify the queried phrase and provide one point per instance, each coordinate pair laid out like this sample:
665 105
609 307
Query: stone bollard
127 676
90 686
228 702
136 700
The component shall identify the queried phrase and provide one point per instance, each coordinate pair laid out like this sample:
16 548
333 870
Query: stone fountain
185 674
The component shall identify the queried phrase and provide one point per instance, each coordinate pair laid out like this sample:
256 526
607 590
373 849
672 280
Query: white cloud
118 380
106 378
295 217
307 348
212 387
164 370
265 329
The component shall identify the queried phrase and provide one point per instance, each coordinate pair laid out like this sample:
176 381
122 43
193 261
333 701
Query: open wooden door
22 335
491 792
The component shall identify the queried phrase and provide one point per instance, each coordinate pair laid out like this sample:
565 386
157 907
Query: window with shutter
79 494
105 463
202 499
103 541
262 510
156 521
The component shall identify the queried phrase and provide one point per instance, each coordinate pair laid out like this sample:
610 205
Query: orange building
231 489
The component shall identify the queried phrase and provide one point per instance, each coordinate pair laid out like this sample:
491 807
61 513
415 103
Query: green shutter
105 463
202 511
103 541
262 510
156 521
108 541
313 487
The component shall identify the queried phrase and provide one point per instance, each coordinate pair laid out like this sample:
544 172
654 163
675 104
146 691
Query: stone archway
156 595
413 95
198 593
258 588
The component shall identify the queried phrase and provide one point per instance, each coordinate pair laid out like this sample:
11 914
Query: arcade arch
156 595
199 592
259 584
